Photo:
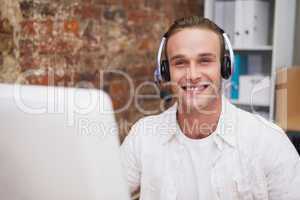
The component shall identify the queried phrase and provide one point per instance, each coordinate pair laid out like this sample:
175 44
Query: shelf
237 102
254 48
280 37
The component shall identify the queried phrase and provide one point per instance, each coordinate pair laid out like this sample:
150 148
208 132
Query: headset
162 71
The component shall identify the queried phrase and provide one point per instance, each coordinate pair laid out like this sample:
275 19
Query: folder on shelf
245 21
255 90
240 68
219 13
239 24
229 19
224 16
255 64
256 22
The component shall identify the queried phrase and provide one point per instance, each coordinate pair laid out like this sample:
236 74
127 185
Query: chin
201 104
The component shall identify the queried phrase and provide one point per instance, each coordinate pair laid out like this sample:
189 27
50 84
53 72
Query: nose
193 72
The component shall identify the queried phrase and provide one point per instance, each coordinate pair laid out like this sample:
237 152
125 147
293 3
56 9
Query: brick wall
78 42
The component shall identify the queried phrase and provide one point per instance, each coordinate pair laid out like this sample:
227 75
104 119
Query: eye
179 63
205 61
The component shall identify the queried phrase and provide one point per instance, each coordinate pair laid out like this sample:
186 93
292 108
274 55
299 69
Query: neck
198 124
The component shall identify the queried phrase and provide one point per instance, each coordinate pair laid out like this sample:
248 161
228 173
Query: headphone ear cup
226 67
165 72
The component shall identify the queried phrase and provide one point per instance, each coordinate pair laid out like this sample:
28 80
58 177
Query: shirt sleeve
130 157
283 175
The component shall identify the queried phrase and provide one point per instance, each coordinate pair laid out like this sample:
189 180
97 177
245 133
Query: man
203 147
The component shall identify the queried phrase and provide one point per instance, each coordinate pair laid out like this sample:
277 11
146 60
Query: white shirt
255 160
202 152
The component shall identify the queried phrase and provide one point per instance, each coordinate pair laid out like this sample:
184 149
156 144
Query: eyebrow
177 57
207 55
199 55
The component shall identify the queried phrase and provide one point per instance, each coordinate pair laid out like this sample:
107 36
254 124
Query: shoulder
253 124
262 141
259 137
162 117
153 127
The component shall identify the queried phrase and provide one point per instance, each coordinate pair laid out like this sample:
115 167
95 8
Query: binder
245 21
255 64
229 19
239 69
224 16
256 22
219 13
239 24
254 90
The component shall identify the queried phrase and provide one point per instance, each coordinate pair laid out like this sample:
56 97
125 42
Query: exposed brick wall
69 42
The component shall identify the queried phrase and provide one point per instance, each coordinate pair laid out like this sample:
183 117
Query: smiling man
194 56
203 147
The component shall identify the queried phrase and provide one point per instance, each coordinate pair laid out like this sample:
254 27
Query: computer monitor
58 143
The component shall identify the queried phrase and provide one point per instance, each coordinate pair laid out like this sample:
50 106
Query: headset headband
157 72
230 49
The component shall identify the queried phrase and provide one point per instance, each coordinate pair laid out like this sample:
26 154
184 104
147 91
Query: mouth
195 88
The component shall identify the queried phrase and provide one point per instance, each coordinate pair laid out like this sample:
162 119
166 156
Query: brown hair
196 22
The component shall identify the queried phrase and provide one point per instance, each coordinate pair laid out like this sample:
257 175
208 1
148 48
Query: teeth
194 88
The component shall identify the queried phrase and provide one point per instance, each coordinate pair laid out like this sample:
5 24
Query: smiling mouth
194 88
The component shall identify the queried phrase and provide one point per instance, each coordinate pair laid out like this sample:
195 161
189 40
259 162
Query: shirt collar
224 132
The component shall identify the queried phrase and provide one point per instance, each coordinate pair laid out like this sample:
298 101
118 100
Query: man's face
194 57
